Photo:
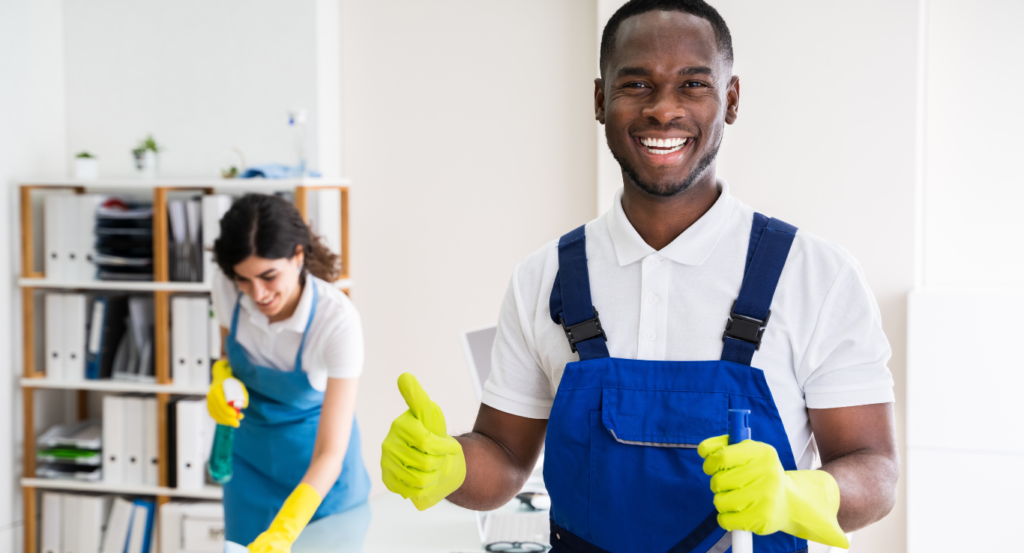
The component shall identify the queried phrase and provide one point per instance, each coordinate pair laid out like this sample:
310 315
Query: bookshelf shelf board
208 492
126 286
113 386
220 184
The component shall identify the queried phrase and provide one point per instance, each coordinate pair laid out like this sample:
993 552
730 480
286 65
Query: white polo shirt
823 347
334 345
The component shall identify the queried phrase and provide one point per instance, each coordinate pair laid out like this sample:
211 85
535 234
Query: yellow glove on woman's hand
754 493
420 461
219 408
289 522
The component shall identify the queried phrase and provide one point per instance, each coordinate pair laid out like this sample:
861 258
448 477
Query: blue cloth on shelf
274 171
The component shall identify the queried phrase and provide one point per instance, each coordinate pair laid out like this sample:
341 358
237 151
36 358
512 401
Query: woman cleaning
296 344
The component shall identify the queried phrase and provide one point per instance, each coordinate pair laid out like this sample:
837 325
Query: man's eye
694 84
634 85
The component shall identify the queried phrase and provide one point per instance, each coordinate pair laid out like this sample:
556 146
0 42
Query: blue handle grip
739 425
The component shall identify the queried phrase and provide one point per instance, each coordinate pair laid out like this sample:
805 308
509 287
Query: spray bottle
219 465
297 125
739 430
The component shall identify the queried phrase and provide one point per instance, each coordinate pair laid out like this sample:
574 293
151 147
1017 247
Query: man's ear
732 100
599 100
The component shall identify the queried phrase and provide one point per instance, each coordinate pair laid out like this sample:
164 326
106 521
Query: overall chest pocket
648 489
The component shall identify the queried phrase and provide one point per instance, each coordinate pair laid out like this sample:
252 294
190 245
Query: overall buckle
580 332
747 329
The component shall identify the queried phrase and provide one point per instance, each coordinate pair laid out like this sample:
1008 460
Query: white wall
203 77
470 137
826 140
32 142
974 196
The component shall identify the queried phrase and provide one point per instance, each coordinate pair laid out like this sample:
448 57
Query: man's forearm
867 487
493 474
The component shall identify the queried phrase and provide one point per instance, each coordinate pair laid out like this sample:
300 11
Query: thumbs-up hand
420 461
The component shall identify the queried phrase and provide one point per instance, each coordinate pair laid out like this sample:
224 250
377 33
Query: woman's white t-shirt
334 344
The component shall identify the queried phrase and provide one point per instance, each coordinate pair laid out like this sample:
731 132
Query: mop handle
739 430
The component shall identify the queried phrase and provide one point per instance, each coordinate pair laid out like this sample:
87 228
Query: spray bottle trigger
234 393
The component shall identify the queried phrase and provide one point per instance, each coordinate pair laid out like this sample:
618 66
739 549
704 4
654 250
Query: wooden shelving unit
33 378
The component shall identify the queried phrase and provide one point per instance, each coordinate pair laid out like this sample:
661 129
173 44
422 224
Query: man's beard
671 189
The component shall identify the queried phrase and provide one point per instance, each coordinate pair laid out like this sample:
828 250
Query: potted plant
86 166
146 160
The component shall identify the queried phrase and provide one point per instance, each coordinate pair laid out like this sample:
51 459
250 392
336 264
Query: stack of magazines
124 240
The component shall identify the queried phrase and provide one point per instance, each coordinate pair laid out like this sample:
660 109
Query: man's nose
664 106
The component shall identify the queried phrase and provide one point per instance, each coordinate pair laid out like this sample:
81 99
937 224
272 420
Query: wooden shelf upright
34 377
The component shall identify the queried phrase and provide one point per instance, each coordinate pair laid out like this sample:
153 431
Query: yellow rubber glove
754 493
420 461
216 404
289 522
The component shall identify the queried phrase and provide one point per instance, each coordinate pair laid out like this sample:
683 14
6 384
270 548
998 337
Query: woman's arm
333 434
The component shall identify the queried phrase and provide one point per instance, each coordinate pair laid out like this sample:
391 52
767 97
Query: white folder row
69 221
129 527
72 523
191 527
190 340
65 336
130 440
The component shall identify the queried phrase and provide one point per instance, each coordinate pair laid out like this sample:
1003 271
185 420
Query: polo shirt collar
295 323
691 247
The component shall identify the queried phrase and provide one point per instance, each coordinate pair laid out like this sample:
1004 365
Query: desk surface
388 523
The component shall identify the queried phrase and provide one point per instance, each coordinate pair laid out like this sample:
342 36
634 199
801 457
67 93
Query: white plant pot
86 168
146 165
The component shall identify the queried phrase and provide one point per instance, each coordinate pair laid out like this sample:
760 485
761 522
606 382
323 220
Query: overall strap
570 301
309 322
234 317
770 241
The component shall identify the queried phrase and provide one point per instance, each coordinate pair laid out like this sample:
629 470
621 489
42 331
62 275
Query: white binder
92 513
54 234
151 443
195 435
73 319
327 221
115 537
199 335
214 334
113 439
133 440
69 523
54 329
49 536
181 357
82 208
214 207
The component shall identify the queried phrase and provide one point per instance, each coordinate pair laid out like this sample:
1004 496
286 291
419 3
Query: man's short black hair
699 8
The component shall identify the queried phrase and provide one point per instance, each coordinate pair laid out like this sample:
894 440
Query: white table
388 523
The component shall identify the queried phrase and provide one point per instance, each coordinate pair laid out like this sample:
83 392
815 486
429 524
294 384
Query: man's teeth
663 145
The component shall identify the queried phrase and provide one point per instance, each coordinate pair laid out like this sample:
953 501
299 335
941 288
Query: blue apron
274 444
621 460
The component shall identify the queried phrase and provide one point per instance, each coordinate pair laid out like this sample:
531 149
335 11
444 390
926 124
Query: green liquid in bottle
219 465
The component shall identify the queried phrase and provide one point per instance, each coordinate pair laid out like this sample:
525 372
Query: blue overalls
621 460
274 444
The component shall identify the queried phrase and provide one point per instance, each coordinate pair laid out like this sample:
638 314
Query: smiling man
629 340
